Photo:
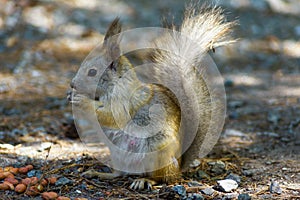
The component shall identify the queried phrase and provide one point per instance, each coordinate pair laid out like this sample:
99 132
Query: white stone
227 185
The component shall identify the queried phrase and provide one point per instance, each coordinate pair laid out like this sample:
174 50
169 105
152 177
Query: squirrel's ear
114 28
112 43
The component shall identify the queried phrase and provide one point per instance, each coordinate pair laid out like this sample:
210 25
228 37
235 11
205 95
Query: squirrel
123 102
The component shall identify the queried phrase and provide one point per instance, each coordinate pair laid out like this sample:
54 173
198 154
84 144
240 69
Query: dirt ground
42 44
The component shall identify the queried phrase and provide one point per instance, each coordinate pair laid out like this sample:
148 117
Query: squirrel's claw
77 99
142 183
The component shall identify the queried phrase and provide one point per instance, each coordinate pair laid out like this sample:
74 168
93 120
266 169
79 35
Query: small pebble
195 163
194 184
268 162
234 133
275 188
227 185
208 191
250 172
63 181
230 196
234 177
218 167
195 196
202 175
32 173
244 197
179 189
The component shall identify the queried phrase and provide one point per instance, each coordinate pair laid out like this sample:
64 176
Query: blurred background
42 44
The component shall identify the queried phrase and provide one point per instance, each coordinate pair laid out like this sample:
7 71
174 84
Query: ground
43 44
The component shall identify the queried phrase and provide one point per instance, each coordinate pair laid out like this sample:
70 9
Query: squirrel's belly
138 154
132 143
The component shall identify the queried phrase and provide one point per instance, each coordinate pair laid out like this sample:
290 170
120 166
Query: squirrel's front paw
141 184
77 99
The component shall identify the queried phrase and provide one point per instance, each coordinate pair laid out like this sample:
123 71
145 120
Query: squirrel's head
103 66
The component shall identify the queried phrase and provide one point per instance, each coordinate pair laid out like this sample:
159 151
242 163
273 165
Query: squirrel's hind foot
101 175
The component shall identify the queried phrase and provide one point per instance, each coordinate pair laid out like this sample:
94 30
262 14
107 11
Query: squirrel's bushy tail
206 26
182 64
203 28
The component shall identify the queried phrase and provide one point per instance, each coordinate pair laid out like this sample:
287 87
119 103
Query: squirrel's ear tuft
114 28
112 42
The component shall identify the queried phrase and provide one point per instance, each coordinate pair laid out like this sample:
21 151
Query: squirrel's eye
92 72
